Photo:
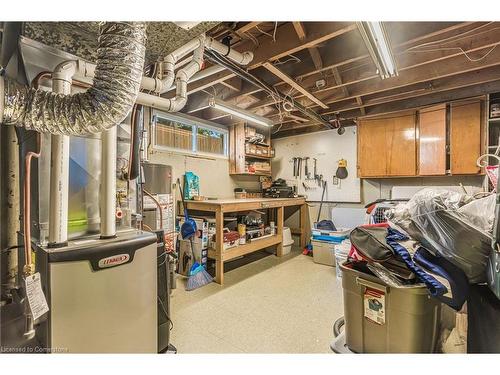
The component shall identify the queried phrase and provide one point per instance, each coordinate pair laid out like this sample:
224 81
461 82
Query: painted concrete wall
215 180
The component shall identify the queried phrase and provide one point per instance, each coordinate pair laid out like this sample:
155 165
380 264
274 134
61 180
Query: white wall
215 180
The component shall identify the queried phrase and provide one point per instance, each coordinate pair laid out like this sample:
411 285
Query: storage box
336 236
323 252
383 319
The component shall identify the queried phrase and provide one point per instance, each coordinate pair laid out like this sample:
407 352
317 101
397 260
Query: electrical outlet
335 180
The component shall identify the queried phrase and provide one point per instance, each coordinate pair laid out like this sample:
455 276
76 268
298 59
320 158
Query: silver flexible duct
120 63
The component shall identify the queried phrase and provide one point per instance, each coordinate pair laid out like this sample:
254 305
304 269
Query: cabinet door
386 146
372 151
401 145
432 141
465 137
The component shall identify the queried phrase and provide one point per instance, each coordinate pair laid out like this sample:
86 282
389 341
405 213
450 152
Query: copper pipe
132 127
27 179
157 204
27 207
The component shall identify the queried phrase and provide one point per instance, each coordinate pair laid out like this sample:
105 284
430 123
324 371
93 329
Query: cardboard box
323 253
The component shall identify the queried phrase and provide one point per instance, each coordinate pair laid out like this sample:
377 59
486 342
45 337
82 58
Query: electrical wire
292 58
273 35
223 61
166 313
451 37
461 50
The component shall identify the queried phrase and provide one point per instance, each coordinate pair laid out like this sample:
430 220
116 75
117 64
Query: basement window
188 135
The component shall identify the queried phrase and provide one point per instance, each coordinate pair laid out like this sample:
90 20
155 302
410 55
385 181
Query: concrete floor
267 305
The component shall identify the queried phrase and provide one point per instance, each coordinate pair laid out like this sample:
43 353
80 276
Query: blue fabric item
438 265
435 287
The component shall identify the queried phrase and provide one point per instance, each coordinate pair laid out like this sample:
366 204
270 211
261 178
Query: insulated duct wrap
120 63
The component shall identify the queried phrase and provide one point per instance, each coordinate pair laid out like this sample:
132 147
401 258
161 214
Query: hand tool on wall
306 169
315 161
299 174
342 169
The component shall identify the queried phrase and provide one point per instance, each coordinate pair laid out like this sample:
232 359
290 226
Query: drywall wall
215 180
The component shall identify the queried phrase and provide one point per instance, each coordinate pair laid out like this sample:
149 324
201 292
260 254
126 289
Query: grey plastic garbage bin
383 319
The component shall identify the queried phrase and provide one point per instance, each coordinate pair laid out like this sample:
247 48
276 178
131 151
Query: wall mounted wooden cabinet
387 147
465 137
433 141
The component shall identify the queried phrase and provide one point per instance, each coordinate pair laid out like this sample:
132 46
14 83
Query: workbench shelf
220 207
263 157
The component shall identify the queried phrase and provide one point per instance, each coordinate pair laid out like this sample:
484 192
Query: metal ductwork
118 74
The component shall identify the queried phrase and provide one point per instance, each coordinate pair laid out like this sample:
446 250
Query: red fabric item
354 254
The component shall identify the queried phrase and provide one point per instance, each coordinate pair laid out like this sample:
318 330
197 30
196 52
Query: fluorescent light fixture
239 112
378 45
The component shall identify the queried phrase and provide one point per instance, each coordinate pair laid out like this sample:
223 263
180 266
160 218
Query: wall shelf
241 152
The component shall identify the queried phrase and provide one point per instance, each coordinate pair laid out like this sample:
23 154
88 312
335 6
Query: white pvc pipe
59 164
238 57
108 183
162 86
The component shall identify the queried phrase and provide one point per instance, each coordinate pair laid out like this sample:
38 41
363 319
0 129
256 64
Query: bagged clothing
432 217
480 212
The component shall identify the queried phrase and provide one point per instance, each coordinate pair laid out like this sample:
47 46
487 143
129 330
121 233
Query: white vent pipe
59 164
161 86
118 73
108 183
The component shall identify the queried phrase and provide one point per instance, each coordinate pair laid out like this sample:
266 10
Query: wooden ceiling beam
431 87
293 84
443 64
233 84
480 76
288 43
308 79
247 27
410 60
360 104
481 41
437 98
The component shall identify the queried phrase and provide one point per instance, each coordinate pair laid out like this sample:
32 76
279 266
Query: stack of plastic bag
451 225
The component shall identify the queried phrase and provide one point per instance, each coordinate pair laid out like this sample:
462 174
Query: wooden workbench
222 206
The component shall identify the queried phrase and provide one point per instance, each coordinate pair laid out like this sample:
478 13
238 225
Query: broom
198 276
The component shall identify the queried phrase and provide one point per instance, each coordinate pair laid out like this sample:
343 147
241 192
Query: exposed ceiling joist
247 27
440 64
293 84
411 103
288 43
360 104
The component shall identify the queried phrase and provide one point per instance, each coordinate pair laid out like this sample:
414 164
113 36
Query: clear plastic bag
433 217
